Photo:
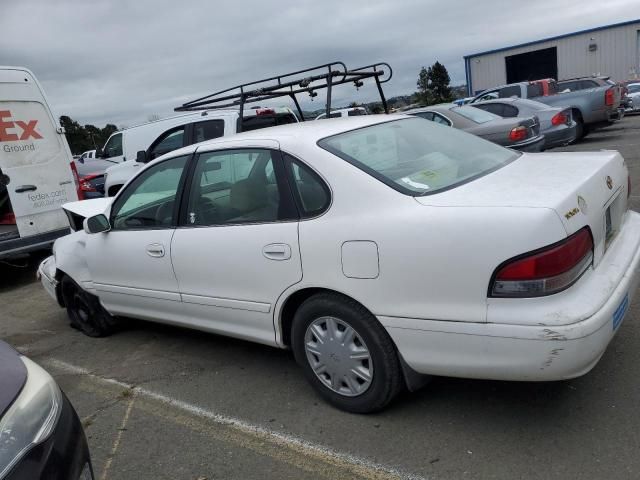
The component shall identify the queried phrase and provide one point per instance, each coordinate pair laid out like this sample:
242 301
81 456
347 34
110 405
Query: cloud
119 61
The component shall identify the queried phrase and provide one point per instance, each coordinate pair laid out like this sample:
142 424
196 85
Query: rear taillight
559 119
76 180
518 133
609 97
85 185
545 271
8 219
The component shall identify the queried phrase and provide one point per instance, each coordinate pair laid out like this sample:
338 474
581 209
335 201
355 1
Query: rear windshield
474 114
256 122
416 156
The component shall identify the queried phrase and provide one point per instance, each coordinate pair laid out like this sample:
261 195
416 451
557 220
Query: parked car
91 175
151 140
425 251
88 155
556 124
633 90
462 101
587 83
35 173
518 133
344 112
592 108
41 437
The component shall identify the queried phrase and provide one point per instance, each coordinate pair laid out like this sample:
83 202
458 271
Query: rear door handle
26 188
277 251
155 250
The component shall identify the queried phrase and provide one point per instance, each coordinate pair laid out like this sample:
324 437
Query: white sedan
380 249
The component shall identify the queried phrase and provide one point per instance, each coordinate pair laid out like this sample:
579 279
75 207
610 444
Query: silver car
517 133
556 123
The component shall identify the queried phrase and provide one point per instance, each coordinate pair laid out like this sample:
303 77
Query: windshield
475 114
416 156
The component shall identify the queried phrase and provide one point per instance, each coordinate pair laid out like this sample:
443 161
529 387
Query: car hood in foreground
13 375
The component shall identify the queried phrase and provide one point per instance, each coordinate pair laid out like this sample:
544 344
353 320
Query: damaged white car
377 248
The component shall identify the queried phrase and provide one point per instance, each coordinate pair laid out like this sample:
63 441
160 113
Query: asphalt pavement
159 402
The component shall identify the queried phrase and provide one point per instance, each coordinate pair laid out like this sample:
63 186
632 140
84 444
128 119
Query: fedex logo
12 131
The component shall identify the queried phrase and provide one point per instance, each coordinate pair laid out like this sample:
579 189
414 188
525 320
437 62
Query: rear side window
311 193
572 86
474 114
535 90
208 130
495 108
263 121
509 111
508 92
425 115
356 112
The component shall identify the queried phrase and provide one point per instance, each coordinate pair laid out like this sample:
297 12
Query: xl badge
609 182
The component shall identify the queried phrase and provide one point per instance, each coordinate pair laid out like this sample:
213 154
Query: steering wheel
164 214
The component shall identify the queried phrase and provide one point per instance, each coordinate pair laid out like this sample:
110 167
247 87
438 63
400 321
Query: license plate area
613 215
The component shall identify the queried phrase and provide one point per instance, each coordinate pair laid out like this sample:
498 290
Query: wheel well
576 113
292 304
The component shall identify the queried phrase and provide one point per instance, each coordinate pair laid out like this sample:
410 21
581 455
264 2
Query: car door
130 265
236 250
113 149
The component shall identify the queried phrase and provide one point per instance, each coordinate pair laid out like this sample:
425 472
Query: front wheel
346 355
85 312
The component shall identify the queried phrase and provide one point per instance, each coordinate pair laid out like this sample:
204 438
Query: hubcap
338 356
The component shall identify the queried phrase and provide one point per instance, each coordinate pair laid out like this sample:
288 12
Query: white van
35 167
145 142
344 112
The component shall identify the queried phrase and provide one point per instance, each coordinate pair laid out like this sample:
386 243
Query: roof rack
308 81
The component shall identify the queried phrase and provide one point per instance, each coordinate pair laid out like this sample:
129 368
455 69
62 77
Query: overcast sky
122 61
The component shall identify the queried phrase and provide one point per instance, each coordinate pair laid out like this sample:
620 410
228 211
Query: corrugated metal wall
617 55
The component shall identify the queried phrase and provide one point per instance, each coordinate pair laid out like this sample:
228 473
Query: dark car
91 175
556 123
521 134
41 436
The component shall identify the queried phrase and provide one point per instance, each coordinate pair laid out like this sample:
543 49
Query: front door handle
26 188
277 251
155 250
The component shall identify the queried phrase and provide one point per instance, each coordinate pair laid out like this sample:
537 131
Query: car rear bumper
557 137
19 246
63 456
47 276
538 350
532 145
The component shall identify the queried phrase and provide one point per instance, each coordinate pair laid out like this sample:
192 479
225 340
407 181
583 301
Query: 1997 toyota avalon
376 248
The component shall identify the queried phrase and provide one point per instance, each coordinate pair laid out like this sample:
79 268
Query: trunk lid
582 188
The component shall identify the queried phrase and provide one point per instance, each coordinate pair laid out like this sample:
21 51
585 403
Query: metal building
612 50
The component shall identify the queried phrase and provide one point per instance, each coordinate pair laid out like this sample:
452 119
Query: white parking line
364 466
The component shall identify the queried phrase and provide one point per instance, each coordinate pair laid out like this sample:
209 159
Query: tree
423 94
354 105
439 83
433 85
89 137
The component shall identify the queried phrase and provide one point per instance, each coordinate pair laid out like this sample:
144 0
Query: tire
344 383
85 312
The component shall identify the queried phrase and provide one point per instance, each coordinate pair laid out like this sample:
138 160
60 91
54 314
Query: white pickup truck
133 147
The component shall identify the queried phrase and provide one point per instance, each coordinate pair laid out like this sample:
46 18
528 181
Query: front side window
416 157
633 88
534 90
234 186
113 147
512 91
312 194
148 201
441 120
167 142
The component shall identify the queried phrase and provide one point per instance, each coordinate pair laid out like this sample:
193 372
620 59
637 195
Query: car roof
310 130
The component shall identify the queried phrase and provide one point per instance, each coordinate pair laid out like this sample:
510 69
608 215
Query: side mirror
96 224
141 157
